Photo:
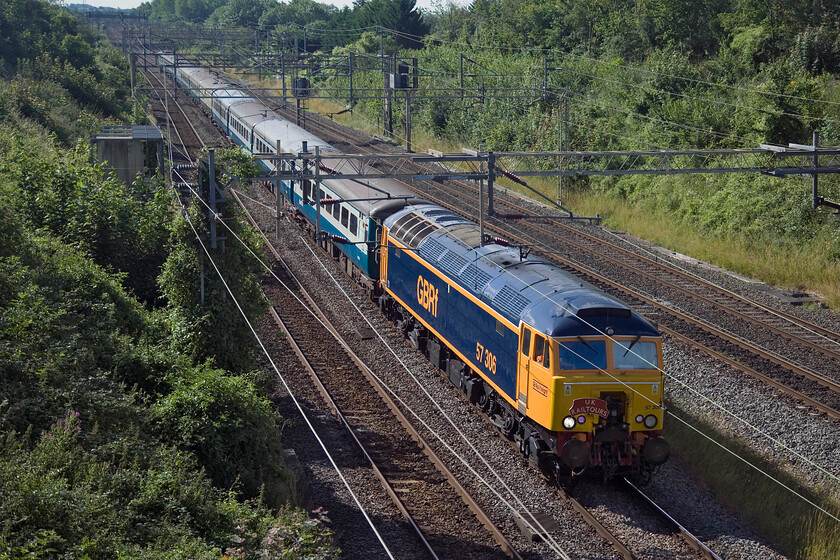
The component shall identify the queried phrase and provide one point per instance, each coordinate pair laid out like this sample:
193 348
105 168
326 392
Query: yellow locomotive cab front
602 396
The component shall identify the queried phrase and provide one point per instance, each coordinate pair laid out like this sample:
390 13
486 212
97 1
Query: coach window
526 342
354 224
344 215
336 210
307 186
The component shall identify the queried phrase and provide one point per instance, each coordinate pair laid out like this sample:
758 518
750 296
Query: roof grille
475 278
452 218
511 301
432 250
452 263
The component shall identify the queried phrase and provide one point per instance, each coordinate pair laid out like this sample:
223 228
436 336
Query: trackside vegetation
129 425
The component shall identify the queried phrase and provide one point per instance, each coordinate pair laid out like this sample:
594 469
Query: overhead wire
297 404
766 435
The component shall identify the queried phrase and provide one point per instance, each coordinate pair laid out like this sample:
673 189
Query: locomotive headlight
569 422
651 421
640 419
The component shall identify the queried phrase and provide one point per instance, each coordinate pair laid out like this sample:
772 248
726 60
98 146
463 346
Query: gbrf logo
427 295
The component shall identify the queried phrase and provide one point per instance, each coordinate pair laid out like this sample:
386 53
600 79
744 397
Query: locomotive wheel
483 402
510 425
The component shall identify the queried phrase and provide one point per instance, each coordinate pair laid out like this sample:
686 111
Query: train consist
565 370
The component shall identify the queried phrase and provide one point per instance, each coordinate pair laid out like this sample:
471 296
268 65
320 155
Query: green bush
231 430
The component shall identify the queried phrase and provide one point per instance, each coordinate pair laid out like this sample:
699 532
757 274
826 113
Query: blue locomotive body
568 371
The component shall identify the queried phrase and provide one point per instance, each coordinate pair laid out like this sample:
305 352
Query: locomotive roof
540 294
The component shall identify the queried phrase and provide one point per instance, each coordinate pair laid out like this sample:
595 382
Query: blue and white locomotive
570 373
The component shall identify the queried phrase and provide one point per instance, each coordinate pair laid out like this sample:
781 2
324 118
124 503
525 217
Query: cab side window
526 343
542 351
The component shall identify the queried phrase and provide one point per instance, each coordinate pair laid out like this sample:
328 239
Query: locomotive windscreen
605 312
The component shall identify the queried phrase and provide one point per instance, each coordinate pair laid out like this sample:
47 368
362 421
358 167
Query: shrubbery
117 439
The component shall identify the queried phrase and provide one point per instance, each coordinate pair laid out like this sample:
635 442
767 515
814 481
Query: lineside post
277 198
211 195
408 120
481 198
491 176
815 199
316 191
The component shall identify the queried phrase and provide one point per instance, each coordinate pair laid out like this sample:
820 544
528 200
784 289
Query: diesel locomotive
571 374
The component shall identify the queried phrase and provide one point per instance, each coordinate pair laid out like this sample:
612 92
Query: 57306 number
484 356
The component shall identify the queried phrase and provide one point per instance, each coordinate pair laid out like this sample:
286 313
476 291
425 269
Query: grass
806 268
792 525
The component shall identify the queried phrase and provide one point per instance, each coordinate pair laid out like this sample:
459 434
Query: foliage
33 28
179 10
133 435
296 13
296 537
229 428
206 323
62 498
62 192
239 13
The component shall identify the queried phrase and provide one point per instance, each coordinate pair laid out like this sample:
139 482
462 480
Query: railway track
423 488
172 117
406 479
410 473
620 547
416 484
793 355
688 546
